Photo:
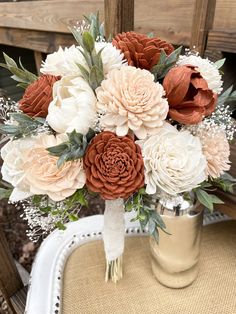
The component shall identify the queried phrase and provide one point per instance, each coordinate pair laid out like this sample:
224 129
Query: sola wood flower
38 96
188 95
140 50
31 170
207 69
173 161
216 150
131 100
113 166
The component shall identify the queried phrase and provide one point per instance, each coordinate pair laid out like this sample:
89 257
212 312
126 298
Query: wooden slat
222 40
53 16
203 17
119 16
19 300
36 40
10 281
225 15
169 19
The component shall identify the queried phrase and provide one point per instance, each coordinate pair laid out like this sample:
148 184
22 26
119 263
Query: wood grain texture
222 40
119 16
10 281
19 300
225 15
36 40
38 58
204 12
169 19
53 16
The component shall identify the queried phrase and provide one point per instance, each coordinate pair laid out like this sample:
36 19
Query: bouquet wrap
113 236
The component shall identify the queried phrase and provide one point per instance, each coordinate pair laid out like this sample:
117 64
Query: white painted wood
47 274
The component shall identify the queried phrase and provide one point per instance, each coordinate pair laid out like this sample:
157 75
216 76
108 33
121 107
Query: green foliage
146 215
206 199
20 74
218 64
64 211
226 183
227 97
5 193
86 39
25 126
165 63
73 149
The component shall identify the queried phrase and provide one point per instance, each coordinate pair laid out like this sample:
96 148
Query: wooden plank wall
169 19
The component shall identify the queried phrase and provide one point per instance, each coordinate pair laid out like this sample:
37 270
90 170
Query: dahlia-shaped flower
113 166
216 149
140 50
131 100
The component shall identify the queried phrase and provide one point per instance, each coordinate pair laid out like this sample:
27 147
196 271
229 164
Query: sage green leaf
218 64
88 41
9 61
73 217
95 78
215 199
204 198
5 193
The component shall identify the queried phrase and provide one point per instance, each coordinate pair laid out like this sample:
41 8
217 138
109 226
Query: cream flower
112 58
14 154
31 170
173 161
43 174
216 150
131 100
73 106
207 70
64 62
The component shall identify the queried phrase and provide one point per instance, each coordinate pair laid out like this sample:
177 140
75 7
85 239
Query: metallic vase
175 257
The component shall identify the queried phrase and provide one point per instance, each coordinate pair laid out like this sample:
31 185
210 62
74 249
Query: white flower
112 57
73 106
14 154
207 70
64 62
173 161
32 170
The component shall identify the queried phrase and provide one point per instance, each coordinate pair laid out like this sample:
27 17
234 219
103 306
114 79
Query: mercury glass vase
175 258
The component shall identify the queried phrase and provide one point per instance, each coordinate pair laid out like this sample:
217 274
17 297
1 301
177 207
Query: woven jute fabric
213 292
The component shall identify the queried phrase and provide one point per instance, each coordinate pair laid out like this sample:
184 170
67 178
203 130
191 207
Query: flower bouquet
129 119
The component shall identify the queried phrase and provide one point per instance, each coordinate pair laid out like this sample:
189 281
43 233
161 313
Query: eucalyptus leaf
204 199
218 64
88 41
5 193
9 61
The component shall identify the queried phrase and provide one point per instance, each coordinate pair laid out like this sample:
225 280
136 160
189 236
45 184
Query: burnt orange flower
140 50
113 166
38 96
189 98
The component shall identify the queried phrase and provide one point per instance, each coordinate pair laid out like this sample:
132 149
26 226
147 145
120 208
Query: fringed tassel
114 270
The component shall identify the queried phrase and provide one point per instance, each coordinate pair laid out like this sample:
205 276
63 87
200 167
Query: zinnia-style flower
31 170
173 161
73 106
140 50
113 166
216 149
38 96
131 100
65 62
207 69
189 97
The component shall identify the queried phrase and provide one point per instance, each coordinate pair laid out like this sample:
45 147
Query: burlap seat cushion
214 291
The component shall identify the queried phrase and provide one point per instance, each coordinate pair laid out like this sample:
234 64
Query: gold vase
175 257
